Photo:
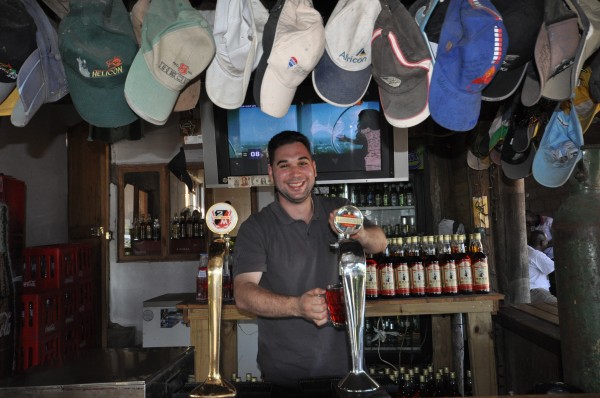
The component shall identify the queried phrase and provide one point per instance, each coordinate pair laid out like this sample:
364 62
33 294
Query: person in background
368 138
540 266
541 223
283 262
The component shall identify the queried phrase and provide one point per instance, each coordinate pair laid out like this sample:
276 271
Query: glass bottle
202 278
175 228
468 384
408 195
156 229
386 194
196 224
440 388
371 284
378 195
401 195
452 390
433 278
448 269
142 227
463 268
148 224
385 276
407 389
416 270
481 279
182 226
401 273
393 195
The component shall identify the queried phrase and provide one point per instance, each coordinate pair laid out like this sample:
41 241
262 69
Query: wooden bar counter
478 310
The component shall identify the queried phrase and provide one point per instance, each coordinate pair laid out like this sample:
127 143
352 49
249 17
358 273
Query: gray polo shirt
294 258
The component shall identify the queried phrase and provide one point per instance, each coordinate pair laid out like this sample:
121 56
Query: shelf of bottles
144 236
390 205
187 232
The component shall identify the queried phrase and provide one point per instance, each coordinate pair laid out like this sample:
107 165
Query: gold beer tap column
221 219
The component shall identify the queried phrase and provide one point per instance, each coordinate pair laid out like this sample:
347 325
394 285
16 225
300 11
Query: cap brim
532 88
504 84
227 90
31 85
275 97
477 163
338 86
517 165
149 99
188 98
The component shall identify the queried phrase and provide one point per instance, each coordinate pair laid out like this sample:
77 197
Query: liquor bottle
354 194
408 195
401 195
363 195
463 268
416 270
182 227
371 284
421 388
385 276
142 227
148 224
481 279
468 384
196 229
175 233
452 388
440 388
378 195
370 195
189 226
202 278
387 193
393 195
407 389
401 273
156 229
135 229
448 269
433 278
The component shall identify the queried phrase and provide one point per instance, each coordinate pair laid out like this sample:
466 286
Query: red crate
85 297
42 351
40 315
86 338
84 260
48 267
68 304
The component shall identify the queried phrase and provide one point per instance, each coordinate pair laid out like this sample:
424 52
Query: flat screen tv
235 141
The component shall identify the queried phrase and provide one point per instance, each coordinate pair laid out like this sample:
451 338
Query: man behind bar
283 262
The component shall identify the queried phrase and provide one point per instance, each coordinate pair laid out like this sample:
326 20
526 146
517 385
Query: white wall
37 155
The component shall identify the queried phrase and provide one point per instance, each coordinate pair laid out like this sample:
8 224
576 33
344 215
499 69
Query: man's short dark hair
536 237
369 118
284 138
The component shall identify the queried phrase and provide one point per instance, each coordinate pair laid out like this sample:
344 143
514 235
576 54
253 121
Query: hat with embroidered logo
401 66
228 74
555 50
41 78
471 49
97 44
177 45
560 147
522 19
343 73
588 12
18 42
291 52
189 96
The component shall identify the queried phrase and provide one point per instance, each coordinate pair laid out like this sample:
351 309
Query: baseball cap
98 45
555 50
228 74
588 12
471 49
188 98
42 76
293 43
516 165
261 15
478 163
522 19
343 73
585 106
18 42
560 147
177 45
6 106
401 66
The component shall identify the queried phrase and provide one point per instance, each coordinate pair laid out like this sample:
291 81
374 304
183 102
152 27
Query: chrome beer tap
352 265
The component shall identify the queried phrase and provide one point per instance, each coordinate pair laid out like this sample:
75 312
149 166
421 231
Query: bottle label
465 278
371 282
386 280
402 279
433 278
417 279
481 280
450 283
202 273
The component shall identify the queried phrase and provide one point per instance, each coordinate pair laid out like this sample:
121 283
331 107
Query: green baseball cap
97 45
176 46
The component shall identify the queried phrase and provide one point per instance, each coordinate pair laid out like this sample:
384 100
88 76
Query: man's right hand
312 306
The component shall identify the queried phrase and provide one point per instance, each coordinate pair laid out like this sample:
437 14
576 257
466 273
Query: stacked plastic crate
57 303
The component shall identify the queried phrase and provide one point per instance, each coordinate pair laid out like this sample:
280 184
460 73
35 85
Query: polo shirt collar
285 218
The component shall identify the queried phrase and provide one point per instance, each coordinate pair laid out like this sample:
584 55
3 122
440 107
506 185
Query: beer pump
352 262
221 219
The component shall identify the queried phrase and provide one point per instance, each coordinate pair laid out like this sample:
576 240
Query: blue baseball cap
560 147
471 49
